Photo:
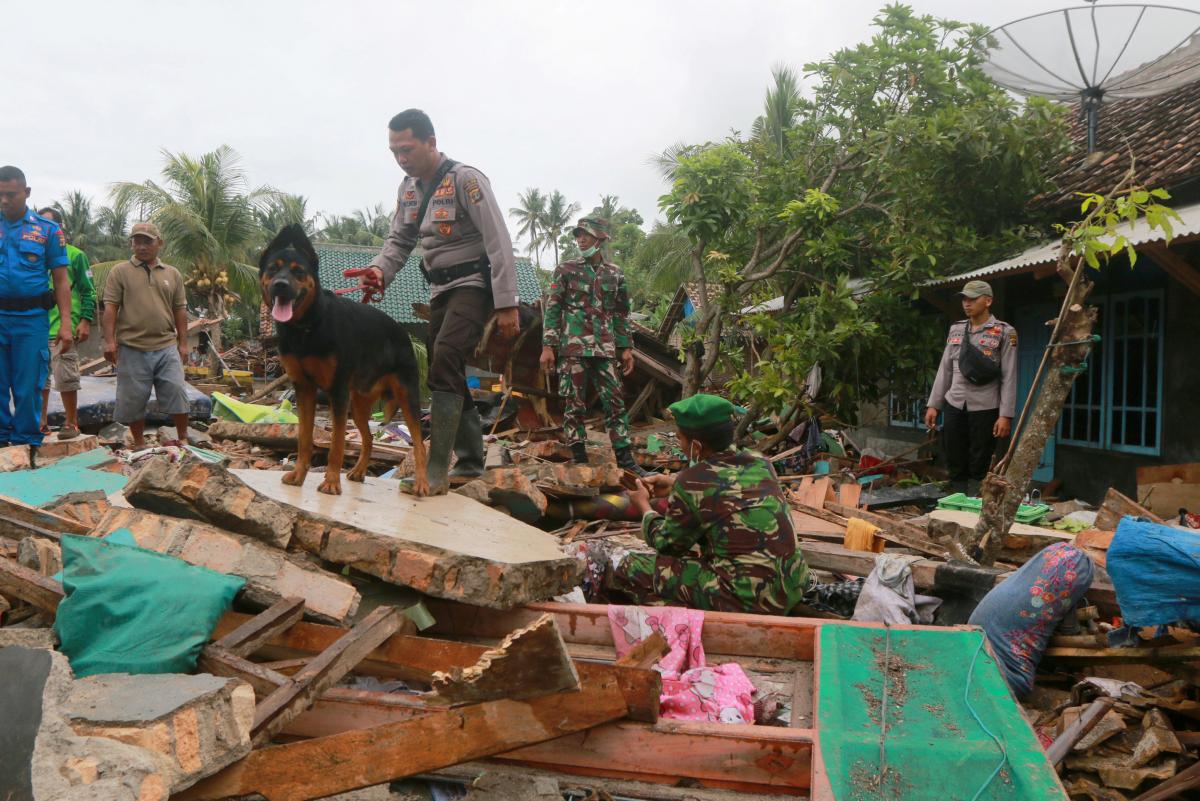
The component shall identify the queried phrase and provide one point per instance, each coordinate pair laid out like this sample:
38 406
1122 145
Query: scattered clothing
692 690
836 597
1155 570
889 594
1020 615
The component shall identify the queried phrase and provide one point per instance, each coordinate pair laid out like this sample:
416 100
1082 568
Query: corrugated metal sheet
1189 223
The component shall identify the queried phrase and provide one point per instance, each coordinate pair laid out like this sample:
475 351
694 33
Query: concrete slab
25 672
448 546
55 448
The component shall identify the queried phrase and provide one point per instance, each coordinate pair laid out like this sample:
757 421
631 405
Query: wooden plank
895 531
221 662
30 586
1165 489
249 637
849 494
427 741
1125 656
673 752
802 698
323 672
646 653
1116 506
530 662
18 520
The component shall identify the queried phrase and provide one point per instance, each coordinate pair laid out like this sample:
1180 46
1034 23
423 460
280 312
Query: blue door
1032 337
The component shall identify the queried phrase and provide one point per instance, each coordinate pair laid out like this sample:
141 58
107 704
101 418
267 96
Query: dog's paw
357 475
294 478
330 487
421 487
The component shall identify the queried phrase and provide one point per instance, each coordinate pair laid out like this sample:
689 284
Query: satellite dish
1096 53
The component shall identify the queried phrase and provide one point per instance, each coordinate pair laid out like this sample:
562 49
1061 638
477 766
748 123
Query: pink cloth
691 689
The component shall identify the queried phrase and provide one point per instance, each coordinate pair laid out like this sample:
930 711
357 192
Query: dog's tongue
282 311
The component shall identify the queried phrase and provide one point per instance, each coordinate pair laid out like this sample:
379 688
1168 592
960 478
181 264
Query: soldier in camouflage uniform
587 322
726 541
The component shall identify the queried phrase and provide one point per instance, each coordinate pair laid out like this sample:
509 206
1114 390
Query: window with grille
1117 403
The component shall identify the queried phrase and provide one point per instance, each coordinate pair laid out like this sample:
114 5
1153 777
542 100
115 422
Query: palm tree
81 225
529 220
346 230
283 210
209 222
558 215
608 208
780 107
665 256
375 220
666 161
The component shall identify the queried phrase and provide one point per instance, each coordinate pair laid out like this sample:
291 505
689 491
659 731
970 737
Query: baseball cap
975 289
145 229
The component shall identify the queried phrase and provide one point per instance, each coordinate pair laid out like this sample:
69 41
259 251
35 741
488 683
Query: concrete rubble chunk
446 546
40 554
194 725
271 574
45 639
200 490
55 448
43 759
14 457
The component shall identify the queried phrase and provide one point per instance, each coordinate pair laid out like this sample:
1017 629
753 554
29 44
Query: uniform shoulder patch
473 190
1012 337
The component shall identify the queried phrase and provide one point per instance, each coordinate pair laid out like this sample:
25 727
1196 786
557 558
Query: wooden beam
30 586
636 407
1116 506
1173 265
531 661
893 530
249 637
426 741
323 672
646 653
1125 656
220 662
18 520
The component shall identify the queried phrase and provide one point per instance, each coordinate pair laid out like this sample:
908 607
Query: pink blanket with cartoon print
691 689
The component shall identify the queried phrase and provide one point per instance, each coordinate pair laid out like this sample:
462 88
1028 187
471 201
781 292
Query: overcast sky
558 95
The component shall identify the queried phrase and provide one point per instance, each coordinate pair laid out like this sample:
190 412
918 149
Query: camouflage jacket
730 506
587 310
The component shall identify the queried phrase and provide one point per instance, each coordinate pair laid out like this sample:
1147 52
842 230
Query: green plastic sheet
934 748
226 408
130 610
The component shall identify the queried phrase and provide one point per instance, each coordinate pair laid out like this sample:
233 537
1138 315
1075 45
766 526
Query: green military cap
596 226
702 411
975 289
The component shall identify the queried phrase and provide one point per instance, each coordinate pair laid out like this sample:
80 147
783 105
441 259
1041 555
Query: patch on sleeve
1012 338
473 190
62 238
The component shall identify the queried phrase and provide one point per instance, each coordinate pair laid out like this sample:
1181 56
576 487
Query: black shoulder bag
974 365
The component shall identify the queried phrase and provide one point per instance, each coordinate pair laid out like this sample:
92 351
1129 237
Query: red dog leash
371 291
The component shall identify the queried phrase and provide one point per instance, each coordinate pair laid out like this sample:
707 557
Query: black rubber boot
468 444
445 410
579 451
625 461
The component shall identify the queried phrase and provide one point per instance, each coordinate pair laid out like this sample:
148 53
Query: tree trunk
1002 494
217 307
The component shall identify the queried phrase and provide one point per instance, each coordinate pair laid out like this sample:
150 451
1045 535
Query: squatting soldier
449 209
730 507
587 322
30 247
975 389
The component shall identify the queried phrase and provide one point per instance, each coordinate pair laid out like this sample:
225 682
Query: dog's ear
278 243
302 243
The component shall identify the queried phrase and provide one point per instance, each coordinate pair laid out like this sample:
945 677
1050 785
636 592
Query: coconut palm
608 208
528 216
83 230
558 215
376 220
283 210
208 217
780 108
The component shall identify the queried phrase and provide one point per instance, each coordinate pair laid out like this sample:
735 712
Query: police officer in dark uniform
449 209
30 246
975 389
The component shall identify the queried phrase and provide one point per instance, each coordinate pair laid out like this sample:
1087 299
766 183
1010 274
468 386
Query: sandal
68 432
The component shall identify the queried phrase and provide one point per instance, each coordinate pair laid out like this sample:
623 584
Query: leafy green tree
905 163
558 216
528 215
209 219
283 210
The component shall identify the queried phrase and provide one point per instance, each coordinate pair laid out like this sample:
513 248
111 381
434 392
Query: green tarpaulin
934 748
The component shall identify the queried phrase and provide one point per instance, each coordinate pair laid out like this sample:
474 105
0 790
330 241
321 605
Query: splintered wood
530 662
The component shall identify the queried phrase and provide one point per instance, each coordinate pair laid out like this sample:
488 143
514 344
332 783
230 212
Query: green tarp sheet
934 748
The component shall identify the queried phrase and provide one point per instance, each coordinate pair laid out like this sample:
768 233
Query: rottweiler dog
352 351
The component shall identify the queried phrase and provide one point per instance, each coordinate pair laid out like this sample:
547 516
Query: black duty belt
445 275
44 301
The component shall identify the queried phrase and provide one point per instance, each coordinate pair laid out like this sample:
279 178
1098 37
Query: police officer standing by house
975 389
587 323
30 246
449 210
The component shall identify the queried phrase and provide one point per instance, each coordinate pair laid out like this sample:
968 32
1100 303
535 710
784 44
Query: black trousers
456 320
968 441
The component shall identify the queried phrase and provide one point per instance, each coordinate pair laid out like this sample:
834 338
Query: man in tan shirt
145 334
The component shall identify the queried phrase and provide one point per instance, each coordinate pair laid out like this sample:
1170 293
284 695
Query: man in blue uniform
30 246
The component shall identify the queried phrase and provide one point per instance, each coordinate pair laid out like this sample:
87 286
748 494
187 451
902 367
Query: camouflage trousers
697 584
573 379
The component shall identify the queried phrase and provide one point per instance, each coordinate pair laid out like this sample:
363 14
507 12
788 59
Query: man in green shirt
64 367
